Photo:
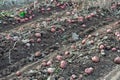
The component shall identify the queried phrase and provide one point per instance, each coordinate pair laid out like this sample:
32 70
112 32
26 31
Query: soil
23 57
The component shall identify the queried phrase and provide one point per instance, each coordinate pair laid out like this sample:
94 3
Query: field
61 42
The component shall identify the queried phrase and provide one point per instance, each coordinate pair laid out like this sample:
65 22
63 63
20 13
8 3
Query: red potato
67 53
56 13
42 9
109 30
33 15
73 12
21 29
95 59
53 26
108 19
118 22
44 60
50 70
73 46
83 25
69 20
113 7
63 64
32 40
118 3
84 41
22 20
62 7
73 76
49 63
18 73
89 36
44 64
30 17
91 42
43 12
38 35
59 57
53 29
58 4
48 19
89 16
89 70
37 54
80 77
92 14
30 12
38 40
5 23
72 21
8 37
116 33
117 60
48 9
58 19
17 18
61 30
26 19
101 47
80 19
114 49
68 13
21 10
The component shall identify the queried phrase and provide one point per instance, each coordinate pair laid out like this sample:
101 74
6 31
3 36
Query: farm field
60 41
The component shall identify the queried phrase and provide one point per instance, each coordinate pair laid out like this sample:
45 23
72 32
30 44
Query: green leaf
22 14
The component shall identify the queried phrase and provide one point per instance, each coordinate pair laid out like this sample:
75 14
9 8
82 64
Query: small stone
51 78
32 72
97 34
61 78
108 47
117 60
83 25
73 76
28 44
105 37
118 51
75 36
44 23
25 41
80 77
15 38
103 52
